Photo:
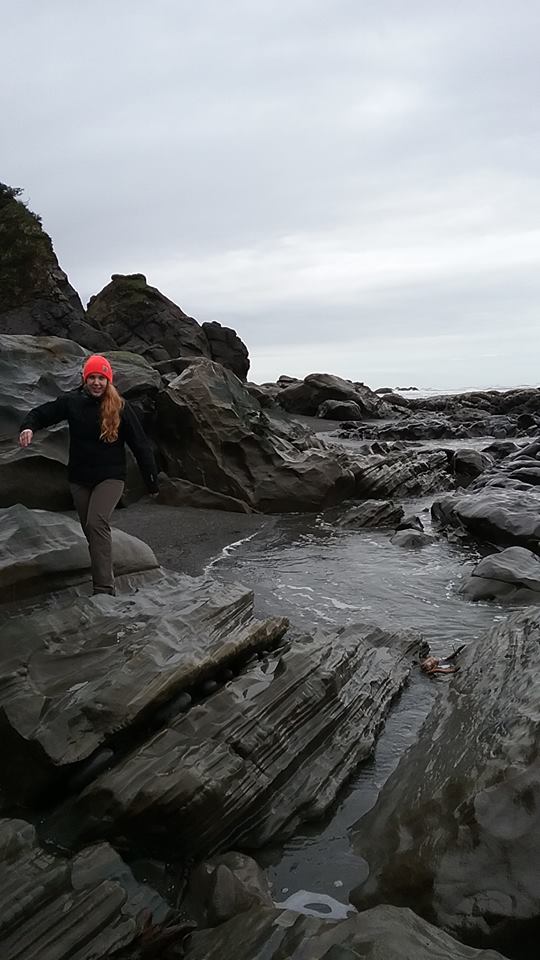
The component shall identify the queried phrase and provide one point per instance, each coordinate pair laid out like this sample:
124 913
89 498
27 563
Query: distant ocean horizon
450 391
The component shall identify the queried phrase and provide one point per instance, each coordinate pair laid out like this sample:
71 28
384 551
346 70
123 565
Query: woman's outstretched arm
43 416
138 442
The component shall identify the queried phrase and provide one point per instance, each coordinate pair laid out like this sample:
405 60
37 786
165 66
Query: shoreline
187 539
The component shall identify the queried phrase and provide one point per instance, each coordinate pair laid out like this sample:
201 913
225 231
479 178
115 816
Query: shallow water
314 572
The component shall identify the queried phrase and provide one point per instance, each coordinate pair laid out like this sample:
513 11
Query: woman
100 424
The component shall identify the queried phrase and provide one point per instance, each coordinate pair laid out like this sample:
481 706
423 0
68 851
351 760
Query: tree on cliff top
26 252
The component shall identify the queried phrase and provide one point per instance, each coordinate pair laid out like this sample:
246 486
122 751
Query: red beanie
97 364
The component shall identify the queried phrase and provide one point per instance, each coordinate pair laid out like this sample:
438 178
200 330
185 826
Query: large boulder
384 933
34 370
36 297
77 673
510 517
87 907
265 752
307 396
212 432
42 551
455 833
371 513
511 575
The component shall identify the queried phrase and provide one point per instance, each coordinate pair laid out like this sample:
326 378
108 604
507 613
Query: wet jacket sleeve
46 414
138 443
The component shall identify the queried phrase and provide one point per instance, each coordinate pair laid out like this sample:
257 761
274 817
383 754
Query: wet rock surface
455 832
87 907
371 513
268 750
511 575
227 885
505 516
76 673
384 932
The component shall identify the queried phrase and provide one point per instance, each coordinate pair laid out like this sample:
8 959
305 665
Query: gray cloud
353 186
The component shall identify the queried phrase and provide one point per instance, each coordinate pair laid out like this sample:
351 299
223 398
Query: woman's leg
81 499
103 499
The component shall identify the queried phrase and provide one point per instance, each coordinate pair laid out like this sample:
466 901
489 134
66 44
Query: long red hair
112 405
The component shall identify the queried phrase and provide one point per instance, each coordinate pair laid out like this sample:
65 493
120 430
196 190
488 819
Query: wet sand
185 538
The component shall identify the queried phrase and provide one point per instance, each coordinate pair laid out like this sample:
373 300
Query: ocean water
314 572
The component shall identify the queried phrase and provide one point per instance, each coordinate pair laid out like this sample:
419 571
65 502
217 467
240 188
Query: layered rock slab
268 751
384 932
86 908
456 830
76 672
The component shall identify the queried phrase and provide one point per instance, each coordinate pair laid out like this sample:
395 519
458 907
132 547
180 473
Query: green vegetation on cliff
26 251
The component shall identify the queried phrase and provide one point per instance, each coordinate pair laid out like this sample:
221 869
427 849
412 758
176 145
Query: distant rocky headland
142 729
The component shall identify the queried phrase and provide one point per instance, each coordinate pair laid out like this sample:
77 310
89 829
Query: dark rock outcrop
339 410
307 396
511 575
402 474
325 698
412 539
76 672
140 319
456 830
469 464
214 434
227 348
176 493
384 933
36 297
510 517
87 907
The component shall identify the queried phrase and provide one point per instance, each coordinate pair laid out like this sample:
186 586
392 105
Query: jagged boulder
227 348
36 297
384 933
456 830
324 696
212 432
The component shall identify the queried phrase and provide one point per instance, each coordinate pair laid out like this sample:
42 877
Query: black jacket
92 460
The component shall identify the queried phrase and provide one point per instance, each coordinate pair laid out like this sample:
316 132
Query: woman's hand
25 437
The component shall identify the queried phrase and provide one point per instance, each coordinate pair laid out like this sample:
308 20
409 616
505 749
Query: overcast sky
353 185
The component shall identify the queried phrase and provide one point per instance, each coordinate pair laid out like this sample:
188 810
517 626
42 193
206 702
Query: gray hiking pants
95 506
